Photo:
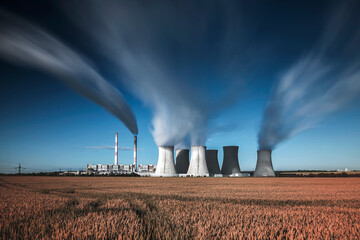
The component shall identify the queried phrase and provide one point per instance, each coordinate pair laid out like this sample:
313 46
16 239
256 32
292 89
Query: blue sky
44 125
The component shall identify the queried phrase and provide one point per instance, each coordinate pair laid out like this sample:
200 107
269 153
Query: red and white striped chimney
116 149
135 153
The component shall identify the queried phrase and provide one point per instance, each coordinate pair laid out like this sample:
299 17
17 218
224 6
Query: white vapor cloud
318 84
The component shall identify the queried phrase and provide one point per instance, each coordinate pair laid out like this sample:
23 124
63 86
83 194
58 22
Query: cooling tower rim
212 150
198 146
182 149
166 146
230 146
264 150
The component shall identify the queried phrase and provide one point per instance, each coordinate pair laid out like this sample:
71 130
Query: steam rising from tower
318 84
140 44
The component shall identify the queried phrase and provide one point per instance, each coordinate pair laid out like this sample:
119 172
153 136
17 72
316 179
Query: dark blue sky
45 125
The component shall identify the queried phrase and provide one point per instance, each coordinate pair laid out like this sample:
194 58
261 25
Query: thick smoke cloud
27 45
163 52
318 84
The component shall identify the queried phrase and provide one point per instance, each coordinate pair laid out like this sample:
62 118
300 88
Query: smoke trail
317 85
28 45
161 49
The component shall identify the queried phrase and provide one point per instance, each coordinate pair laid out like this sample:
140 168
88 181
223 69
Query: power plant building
149 168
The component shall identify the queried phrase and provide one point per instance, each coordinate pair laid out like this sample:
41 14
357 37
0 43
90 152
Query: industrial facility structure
203 163
198 166
166 165
264 167
117 168
231 165
212 162
182 160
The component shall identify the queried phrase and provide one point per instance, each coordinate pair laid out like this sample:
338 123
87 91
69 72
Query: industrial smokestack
182 160
264 167
230 162
212 161
166 166
198 165
116 149
135 153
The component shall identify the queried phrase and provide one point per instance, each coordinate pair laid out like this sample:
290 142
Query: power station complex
202 163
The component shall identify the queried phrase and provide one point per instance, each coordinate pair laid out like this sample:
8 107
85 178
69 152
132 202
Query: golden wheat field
179 208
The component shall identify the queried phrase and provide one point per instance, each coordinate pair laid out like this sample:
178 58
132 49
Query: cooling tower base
165 175
238 175
204 175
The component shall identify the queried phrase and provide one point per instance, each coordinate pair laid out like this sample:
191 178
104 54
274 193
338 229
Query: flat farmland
179 208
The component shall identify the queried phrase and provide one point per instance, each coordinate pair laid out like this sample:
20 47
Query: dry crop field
179 208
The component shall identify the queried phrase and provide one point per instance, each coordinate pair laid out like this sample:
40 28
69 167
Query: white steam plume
25 44
152 45
317 85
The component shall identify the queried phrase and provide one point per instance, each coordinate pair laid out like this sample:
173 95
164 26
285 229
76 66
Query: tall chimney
264 167
135 153
116 149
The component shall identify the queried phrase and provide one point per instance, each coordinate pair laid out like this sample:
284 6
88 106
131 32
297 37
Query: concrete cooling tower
264 167
231 162
198 165
166 166
212 162
182 160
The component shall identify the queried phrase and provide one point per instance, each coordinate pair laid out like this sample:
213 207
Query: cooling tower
230 162
198 165
264 167
182 160
212 162
166 166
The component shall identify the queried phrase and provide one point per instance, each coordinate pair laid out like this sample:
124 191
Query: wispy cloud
319 84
